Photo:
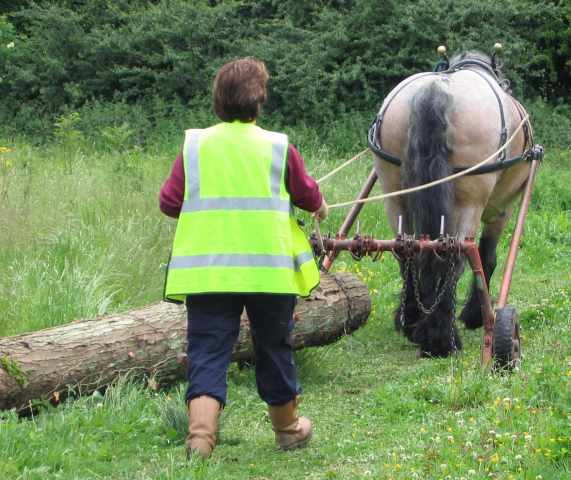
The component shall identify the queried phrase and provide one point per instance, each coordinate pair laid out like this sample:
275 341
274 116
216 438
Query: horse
429 126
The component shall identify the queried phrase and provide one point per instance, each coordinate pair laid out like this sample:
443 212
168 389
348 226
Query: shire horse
430 126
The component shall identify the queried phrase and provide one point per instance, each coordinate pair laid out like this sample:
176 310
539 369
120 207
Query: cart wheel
506 342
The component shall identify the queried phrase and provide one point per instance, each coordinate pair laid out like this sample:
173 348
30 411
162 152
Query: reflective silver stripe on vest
276 172
195 204
240 260
243 203
302 258
192 166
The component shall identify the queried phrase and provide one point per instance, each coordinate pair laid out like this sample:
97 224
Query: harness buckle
535 153
503 139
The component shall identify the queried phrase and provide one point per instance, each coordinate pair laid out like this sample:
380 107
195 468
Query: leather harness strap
504 130
381 114
374 136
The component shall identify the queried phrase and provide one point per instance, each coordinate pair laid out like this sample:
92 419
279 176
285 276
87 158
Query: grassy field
81 235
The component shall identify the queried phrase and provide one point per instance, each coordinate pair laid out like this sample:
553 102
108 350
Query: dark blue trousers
213 326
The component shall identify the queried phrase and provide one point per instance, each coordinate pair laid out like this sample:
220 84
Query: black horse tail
428 149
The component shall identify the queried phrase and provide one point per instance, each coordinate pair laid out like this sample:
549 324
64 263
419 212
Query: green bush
326 57
552 124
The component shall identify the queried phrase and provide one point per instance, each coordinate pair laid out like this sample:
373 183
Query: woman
237 245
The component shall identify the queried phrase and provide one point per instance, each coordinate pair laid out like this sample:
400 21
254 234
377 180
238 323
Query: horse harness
503 163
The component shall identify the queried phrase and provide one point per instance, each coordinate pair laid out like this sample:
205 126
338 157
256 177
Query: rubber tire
506 344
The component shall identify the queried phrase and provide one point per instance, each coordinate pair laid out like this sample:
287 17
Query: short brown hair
240 90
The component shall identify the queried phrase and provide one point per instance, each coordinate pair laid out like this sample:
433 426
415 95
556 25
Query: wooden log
83 356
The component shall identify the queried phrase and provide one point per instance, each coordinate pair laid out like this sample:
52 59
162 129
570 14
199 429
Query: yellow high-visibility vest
236 231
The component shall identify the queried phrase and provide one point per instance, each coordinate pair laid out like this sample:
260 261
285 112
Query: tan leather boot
203 413
291 431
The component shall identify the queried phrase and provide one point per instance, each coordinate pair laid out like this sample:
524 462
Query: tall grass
81 234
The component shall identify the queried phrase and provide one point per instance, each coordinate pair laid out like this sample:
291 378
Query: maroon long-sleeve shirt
303 189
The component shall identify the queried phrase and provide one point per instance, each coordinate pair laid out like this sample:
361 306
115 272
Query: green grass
80 245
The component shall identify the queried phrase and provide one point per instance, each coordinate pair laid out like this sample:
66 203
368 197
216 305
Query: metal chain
442 288
454 257
404 291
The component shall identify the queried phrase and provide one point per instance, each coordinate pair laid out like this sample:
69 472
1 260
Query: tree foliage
325 57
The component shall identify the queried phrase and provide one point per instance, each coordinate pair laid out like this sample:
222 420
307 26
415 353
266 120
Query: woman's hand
322 212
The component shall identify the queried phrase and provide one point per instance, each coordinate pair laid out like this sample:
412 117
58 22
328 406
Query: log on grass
83 356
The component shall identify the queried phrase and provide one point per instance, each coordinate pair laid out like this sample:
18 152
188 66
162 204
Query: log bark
86 355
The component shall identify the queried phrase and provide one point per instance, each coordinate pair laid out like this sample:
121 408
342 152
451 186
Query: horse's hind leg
472 313
436 332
